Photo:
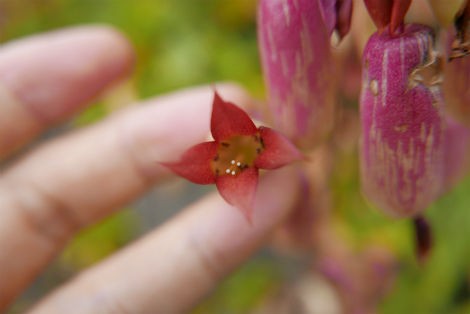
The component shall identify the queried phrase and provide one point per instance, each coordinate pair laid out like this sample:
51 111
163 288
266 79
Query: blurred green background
181 43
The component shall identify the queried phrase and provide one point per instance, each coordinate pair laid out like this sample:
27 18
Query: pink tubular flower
232 160
402 124
294 43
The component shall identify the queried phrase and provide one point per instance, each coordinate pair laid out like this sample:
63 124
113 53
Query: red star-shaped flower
232 160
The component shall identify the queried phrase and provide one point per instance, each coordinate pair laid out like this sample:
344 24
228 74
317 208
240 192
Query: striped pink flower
294 42
402 125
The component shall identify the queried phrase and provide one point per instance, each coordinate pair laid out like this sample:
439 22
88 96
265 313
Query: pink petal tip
239 190
278 150
195 163
228 120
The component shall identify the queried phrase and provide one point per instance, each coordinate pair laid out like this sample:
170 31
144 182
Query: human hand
75 180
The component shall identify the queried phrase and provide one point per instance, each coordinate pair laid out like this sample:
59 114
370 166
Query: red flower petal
195 163
278 150
384 12
399 9
228 120
380 11
239 190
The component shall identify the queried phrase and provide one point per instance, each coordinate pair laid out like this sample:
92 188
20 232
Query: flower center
236 154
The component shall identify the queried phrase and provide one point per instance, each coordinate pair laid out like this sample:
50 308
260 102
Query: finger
47 78
174 267
80 178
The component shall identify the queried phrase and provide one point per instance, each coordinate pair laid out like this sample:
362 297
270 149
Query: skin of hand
52 191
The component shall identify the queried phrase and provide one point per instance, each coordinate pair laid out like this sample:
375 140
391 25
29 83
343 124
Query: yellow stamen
236 154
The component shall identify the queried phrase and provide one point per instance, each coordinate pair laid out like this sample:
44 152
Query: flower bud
337 15
423 238
402 140
294 41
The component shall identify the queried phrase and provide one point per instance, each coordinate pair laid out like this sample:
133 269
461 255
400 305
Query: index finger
80 178
171 269
47 78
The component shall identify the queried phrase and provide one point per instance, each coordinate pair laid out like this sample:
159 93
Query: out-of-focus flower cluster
414 100
411 82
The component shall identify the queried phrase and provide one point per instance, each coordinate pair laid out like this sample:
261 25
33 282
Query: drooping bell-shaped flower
294 43
402 124
232 160
361 279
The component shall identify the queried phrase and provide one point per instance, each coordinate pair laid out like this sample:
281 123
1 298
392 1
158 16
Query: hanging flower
232 160
294 45
401 111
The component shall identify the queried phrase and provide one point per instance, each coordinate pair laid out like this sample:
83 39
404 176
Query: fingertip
109 37
201 246
55 74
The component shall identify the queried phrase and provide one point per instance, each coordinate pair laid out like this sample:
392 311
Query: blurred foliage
177 43
94 244
180 43
91 114
442 283
245 289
